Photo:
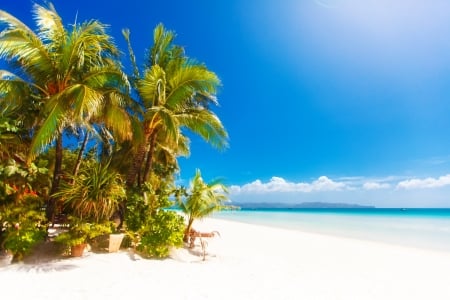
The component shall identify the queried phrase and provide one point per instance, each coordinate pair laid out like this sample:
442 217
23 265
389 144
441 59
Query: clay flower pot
77 250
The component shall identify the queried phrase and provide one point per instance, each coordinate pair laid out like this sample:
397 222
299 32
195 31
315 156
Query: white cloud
390 191
375 185
278 184
425 183
347 184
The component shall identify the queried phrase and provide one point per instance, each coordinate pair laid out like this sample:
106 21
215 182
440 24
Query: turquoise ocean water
421 228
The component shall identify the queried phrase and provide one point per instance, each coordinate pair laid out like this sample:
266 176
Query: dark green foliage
18 180
161 232
82 232
10 139
94 194
152 229
22 226
137 211
22 190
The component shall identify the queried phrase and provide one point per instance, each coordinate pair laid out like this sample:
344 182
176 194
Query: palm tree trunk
138 160
136 166
57 173
188 230
133 173
80 154
149 161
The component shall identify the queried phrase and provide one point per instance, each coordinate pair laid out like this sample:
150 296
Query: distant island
259 205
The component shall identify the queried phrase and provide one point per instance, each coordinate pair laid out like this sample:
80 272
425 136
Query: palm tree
113 123
64 78
175 93
202 200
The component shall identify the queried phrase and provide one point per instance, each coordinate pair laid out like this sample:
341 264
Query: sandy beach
245 262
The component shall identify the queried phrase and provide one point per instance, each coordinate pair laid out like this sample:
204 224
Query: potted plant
91 197
80 233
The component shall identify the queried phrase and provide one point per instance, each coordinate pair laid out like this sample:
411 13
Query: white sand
246 262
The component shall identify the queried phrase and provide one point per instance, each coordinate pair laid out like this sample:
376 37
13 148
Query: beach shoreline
245 262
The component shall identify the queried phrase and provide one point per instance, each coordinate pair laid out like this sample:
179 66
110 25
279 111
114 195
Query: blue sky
324 100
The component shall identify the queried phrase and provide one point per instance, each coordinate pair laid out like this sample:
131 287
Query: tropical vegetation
202 199
81 138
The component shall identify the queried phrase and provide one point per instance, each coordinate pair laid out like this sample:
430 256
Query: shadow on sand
45 257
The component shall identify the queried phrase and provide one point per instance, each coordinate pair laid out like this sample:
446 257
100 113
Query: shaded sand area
245 262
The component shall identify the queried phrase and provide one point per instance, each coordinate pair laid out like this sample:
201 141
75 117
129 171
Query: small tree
95 193
202 200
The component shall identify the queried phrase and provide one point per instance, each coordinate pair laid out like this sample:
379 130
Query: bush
152 230
21 228
161 232
81 232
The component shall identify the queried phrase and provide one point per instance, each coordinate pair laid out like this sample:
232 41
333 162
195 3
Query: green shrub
21 241
153 230
137 211
161 232
22 227
81 232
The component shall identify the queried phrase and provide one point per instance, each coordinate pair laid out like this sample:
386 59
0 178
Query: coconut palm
202 200
64 78
175 93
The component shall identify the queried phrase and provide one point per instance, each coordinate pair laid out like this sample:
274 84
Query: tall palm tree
175 93
64 75
202 200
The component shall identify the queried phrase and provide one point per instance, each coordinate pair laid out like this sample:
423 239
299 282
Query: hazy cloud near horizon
426 183
323 183
379 192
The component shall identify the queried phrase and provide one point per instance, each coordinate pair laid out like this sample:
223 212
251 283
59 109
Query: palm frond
13 23
83 100
206 124
152 88
28 52
18 43
118 120
50 27
162 44
49 129
189 81
87 47
179 145
138 132
166 156
160 117
126 34
106 78
14 91
7 76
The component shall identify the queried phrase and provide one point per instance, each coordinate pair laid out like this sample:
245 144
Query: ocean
420 228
